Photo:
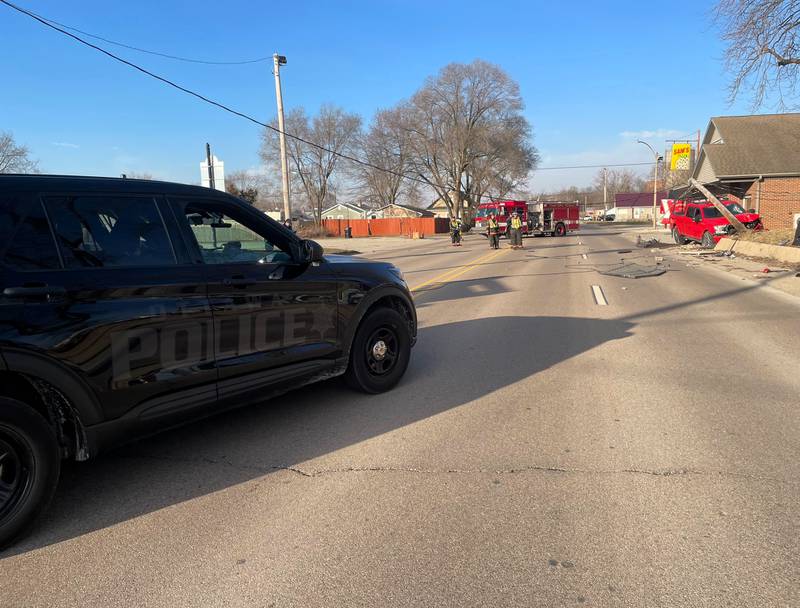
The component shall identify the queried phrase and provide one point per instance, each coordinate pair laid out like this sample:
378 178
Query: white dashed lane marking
599 297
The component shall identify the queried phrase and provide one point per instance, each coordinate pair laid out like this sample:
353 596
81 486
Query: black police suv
131 306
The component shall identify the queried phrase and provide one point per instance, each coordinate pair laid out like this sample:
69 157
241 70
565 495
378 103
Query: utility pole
656 158
740 228
278 61
605 192
210 166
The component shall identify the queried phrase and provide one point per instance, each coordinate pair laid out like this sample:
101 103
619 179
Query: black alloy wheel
30 462
15 471
381 351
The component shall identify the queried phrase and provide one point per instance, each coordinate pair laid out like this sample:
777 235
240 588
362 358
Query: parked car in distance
609 217
131 306
702 222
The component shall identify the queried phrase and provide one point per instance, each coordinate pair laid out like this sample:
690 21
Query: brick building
757 160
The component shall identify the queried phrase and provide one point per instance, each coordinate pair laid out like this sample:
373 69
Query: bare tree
15 158
620 180
452 123
254 187
386 147
334 132
763 52
502 162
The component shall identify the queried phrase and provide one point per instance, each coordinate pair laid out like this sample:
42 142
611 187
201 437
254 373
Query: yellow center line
457 272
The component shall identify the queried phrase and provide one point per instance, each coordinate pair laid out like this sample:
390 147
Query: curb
788 255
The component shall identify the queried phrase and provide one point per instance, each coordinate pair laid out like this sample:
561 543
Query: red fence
395 226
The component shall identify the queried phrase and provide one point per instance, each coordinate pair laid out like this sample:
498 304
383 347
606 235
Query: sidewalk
377 244
781 276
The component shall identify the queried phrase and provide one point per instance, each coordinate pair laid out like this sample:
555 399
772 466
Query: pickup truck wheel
30 464
380 352
677 236
707 242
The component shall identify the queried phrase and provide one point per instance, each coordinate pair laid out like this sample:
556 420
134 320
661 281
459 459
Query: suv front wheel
29 467
380 352
707 241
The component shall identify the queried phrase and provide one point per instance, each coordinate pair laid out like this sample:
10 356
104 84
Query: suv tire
677 236
30 463
380 352
707 242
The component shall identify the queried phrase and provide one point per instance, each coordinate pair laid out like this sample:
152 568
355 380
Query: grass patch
780 236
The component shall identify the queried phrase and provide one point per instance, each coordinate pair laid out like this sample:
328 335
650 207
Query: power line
589 166
149 52
52 24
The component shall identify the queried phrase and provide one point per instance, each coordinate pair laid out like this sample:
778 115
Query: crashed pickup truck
702 222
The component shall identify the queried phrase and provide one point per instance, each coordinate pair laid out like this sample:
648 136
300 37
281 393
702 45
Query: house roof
348 205
637 199
749 146
438 203
422 212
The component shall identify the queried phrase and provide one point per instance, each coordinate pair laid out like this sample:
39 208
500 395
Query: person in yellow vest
514 230
455 231
493 230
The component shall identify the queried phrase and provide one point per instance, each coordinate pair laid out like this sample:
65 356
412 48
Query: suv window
224 239
109 231
25 235
691 212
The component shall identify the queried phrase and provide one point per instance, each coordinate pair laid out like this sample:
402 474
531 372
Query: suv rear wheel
380 352
29 467
677 236
707 241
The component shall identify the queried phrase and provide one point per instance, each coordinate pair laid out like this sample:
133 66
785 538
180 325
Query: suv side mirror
314 251
697 219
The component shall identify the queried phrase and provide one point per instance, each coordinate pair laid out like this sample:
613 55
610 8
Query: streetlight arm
639 141
656 158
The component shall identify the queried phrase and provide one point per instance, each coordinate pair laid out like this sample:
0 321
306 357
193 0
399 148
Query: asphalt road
543 450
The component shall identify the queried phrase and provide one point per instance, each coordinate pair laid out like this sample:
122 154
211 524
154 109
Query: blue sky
594 75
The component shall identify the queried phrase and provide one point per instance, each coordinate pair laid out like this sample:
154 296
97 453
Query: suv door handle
237 280
34 291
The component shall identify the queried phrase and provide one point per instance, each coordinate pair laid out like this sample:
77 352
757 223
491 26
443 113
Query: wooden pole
741 228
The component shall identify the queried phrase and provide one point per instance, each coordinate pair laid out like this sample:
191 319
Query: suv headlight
721 229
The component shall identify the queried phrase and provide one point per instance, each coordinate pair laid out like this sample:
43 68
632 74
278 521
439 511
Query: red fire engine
546 217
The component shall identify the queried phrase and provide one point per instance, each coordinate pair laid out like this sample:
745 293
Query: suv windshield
713 212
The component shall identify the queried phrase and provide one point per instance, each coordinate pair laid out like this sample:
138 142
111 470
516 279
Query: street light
656 158
278 61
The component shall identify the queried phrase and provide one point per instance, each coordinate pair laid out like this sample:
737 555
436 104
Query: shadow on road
453 364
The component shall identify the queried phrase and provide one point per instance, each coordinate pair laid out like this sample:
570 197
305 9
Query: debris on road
635 271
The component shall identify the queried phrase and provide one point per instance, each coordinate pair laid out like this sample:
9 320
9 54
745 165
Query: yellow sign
681 157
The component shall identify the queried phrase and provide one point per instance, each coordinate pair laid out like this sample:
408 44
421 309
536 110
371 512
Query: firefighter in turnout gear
514 230
493 230
455 231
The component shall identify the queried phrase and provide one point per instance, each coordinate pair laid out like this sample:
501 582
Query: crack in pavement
311 473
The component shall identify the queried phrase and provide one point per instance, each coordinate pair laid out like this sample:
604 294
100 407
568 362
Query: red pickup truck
702 222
